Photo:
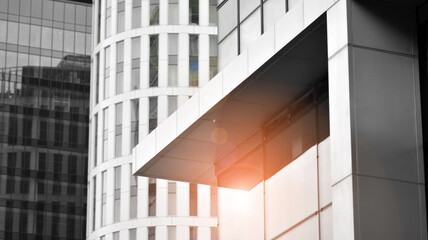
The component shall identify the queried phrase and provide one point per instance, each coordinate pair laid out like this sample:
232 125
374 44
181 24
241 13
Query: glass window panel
25 8
118 114
151 233
2 59
35 36
11 58
69 41
107 57
250 30
46 37
273 10
227 19
213 56
193 60
47 9
70 12
121 21
80 14
194 11
292 3
228 49
153 113
57 39
88 16
80 43
3 5
88 43
36 8
34 60
12 32
108 27
3 26
136 16
135 78
152 200
120 51
173 11
133 234
246 8
153 71
24 34
172 104
213 12
193 199
22 59
136 47
172 233
14 7
59 11
154 12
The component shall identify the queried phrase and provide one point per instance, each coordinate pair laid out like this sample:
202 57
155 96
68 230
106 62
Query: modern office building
44 107
149 57
314 127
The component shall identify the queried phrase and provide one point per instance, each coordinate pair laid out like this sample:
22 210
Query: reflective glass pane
136 48
136 17
35 36
3 26
14 7
47 9
57 39
12 32
194 11
36 8
80 14
59 11
70 13
154 12
24 34
46 37
25 8
68 41
80 43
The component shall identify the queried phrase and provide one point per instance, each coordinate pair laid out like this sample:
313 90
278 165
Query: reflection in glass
193 60
250 30
153 113
172 59
154 49
120 16
154 12
194 12
213 56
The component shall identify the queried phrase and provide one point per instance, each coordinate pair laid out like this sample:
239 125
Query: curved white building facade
149 57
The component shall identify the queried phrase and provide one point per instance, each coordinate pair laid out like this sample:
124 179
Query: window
152 198
154 44
103 197
194 11
193 60
173 12
172 104
172 199
153 113
213 12
117 182
107 72
172 232
121 16
95 139
151 233
213 56
105 134
116 236
135 74
94 202
193 199
172 59
133 234
193 233
108 19
97 77
118 131
135 109
134 193
213 205
99 21
154 12
119 67
136 13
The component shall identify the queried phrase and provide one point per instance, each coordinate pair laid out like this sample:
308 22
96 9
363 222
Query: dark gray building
44 105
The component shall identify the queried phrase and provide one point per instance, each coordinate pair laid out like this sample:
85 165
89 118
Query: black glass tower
44 106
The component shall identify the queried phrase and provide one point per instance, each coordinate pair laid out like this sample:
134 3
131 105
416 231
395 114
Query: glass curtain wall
44 108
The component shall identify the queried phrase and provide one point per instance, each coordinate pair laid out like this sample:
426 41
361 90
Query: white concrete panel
315 8
163 60
161 198
340 126
204 197
203 58
163 13
128 14
292 22
143 192
187 114
291 194
307 230
142 233
202 231
211 94
204 12
390 209
166 132
162 108
145 13
261 50
182 199
235 73
161 231
327 223
183 59
183 233
183 6
111 135
127 65
145 150
343 209
110 196
337 30
325 184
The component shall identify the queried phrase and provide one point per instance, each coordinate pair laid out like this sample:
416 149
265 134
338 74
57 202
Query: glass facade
242 22
44 95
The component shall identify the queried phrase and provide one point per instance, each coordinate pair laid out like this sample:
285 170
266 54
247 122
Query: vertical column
204 197
111 132
127 65
145 60
163 13
142 233
183 59
204 12
126 134
182 199
183 9
143 127
375 125
142 202
203 232
103 20
183 233
161 199
125 193
163 60
162 108
145 14
128 17
161 233
110 196
100 138
101 80
113 17
98 202
204 59
113 67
